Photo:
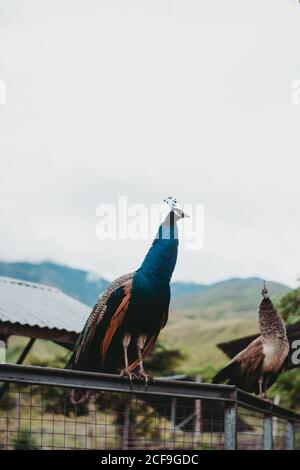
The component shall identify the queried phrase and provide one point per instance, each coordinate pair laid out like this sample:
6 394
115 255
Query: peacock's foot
265 397
146 378
130 376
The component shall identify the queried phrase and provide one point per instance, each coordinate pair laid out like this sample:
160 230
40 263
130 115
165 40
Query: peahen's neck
271 324
160 260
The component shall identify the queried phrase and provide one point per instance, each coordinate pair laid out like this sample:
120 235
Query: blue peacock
125 323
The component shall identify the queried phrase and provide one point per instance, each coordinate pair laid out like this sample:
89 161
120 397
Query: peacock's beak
186 216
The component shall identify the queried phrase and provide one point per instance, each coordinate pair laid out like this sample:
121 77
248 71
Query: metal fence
36 413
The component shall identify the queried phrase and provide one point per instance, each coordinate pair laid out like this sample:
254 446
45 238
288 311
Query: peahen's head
264 291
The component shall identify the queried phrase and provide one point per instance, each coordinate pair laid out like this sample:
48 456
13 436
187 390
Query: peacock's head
179 214
175 211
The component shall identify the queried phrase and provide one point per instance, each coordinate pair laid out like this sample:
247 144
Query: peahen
124 324
257 366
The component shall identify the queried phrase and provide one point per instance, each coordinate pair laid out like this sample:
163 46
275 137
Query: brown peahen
257 367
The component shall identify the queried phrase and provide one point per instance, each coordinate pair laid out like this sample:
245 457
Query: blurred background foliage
289 306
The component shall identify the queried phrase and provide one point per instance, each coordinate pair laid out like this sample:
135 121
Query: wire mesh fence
36 413
297 436
250 429
42 417
280 434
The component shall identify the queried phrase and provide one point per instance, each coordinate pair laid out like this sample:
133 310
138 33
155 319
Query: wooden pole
26 351
21 359
3 347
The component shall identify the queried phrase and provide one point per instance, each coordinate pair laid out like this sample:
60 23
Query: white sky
150 99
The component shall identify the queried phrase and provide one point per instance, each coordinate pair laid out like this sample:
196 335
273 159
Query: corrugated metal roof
32 304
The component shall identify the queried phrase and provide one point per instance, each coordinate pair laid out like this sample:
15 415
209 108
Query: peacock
257 366
125 323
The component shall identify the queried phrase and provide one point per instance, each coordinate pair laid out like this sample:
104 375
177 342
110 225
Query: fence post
268 432
230 428
126 425
290 435
92 420
173 419
198 412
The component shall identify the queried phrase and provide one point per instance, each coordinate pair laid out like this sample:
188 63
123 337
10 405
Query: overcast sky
150 99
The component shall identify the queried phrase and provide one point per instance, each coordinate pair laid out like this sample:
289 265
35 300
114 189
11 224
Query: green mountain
179 289
77 283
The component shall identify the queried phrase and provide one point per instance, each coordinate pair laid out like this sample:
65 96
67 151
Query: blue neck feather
160 260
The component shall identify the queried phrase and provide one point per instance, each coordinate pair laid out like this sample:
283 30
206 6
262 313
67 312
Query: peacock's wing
111 350
105 316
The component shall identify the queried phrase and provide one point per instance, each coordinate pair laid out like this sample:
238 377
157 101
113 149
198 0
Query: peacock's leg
265 394
126 372
141 340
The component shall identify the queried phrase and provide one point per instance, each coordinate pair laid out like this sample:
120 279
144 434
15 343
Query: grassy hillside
227 299
198 339
42 352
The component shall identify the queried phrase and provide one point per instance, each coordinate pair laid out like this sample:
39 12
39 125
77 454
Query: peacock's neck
160 260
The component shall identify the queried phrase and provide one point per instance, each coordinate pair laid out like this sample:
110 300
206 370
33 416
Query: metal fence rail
36 412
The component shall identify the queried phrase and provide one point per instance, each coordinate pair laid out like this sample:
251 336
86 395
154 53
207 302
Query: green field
198 339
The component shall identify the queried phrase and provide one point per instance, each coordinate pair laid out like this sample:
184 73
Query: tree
289 306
